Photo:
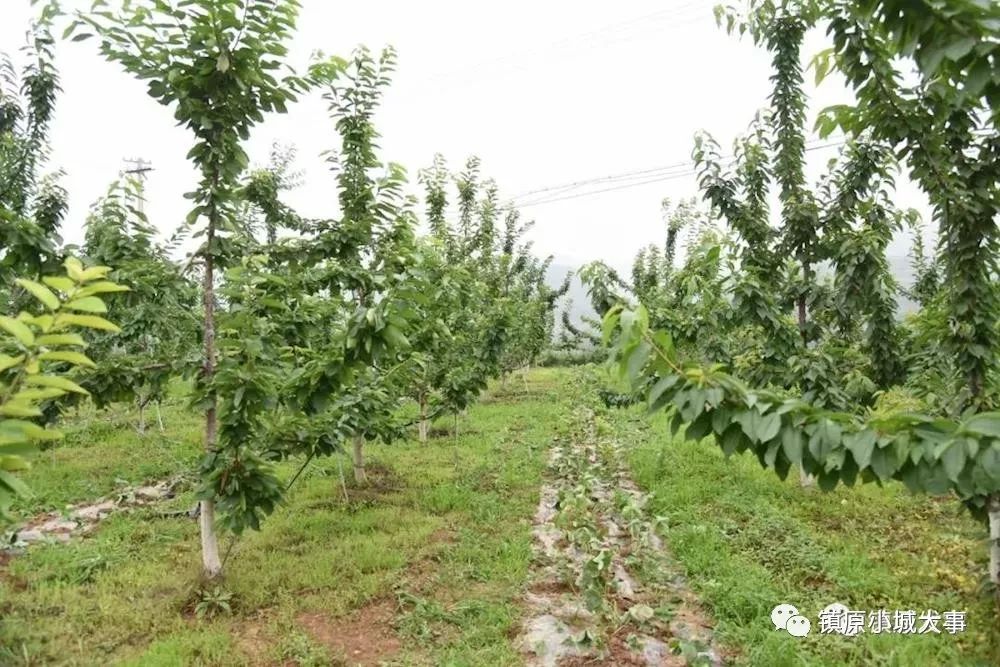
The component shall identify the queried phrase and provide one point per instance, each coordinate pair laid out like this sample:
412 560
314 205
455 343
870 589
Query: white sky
544 93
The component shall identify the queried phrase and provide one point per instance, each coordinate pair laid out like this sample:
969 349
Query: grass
427 564
441 538
102 451
749 541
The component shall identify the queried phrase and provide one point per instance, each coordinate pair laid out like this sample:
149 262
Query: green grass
102 451
441 542
749 541
442 535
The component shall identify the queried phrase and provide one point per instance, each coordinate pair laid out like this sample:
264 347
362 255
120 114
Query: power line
612 177
627 175
637 179
687 11
658 178
611 189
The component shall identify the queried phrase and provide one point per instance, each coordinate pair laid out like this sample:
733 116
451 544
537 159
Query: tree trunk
993 507
359 460
423 426
211 564
142 417
802 316
805 480
456 426
159 417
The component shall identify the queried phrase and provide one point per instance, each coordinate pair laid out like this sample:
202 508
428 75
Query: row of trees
800 302
312 332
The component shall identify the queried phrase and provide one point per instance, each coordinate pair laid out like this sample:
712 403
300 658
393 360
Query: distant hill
580 306
577 294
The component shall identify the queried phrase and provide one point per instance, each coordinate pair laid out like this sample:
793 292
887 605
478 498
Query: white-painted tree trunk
211 565
159 417
359 460
423 426
993 507
805 479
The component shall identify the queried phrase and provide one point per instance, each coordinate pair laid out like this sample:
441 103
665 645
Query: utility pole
138 168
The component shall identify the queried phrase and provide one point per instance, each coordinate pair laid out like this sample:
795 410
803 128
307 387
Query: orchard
380 433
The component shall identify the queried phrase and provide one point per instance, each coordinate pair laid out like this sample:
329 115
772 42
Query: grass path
604 591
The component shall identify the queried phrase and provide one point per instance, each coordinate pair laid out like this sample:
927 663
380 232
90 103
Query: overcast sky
545 93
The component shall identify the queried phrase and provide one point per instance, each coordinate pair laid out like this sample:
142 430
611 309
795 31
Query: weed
213 602
299 648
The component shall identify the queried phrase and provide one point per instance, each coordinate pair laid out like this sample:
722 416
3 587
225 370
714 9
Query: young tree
374 246
945 126
214 63
502 312
946 129
31 206
159 328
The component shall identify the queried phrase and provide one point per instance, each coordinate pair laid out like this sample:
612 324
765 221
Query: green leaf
68 356
700 427
17 409
989 460
40 292
637 359
60 283
792 441
24 429
769 426
731 440
758 427
953 460
7 361
395 337
102 287
38 394
960 47
61 339
74 268
828 480
661 386
57 382
16 486
882 463
95 272
984 423
860 445
88 304
824 438
19 330
665 345
610 323
88 321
